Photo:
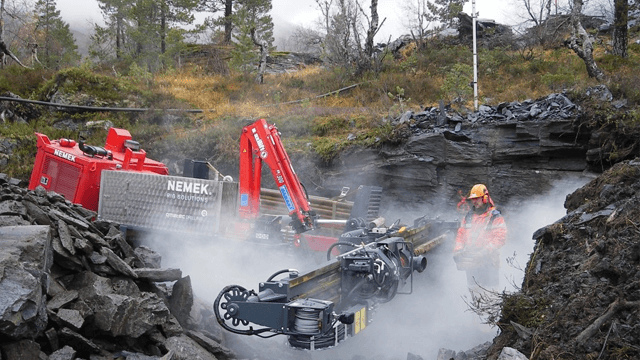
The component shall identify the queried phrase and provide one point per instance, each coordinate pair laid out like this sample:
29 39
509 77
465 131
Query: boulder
210 344
21 350
181 299
62 299
508 353
158 274
149 257
119 307
66 353
25 258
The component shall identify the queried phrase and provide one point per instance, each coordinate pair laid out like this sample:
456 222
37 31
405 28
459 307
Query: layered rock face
516 149
73 288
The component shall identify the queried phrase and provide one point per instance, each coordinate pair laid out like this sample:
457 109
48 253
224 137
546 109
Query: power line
95 108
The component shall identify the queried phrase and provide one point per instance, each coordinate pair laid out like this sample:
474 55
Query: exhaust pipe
419 263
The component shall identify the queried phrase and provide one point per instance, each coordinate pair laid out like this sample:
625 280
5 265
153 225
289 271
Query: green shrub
102 89
22 81
324 126
456 83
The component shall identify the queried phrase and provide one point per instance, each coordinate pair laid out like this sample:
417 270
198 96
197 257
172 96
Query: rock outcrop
518 149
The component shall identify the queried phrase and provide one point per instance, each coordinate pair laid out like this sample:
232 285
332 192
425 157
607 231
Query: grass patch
333 134
522 309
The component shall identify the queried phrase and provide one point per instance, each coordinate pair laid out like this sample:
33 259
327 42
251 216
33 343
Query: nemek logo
64 155
188 187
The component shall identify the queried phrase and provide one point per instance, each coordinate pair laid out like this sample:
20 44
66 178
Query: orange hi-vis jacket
482 231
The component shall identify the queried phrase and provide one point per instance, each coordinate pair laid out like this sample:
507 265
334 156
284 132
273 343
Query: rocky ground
73 288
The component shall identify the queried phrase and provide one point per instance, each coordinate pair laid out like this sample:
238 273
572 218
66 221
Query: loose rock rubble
554 106
74 288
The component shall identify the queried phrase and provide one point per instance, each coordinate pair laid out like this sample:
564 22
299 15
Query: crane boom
260 142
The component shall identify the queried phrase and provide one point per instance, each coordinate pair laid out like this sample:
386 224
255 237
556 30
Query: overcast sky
288 14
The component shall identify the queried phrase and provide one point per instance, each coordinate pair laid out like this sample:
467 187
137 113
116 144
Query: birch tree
5 52
350 32
582 43
252 27
419 25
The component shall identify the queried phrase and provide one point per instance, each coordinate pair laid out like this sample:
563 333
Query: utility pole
475 57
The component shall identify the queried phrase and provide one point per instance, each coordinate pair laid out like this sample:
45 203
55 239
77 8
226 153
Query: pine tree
445 11
110 40
145 31
55 41
250 17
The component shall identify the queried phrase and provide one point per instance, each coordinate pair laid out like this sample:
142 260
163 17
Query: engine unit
74 169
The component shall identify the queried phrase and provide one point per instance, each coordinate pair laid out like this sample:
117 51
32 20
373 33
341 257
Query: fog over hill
82 37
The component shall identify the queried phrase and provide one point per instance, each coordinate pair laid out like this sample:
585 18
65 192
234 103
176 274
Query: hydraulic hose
338 244
281 272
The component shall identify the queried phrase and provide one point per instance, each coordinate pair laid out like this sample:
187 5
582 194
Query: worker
481 234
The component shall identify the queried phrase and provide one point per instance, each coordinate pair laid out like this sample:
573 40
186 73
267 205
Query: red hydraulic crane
260 142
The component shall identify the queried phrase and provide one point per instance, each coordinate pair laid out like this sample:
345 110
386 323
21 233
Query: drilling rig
321 308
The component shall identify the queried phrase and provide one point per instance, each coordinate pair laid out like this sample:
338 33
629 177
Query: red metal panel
63 177
320 243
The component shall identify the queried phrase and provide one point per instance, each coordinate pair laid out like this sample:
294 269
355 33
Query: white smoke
434 316
523 219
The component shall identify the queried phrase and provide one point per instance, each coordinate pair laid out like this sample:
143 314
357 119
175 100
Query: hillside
306 105
579 295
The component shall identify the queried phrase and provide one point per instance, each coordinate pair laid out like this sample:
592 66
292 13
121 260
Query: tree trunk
34 54
264 52
373 29
620 36
228 26
581 43
163 28
119 32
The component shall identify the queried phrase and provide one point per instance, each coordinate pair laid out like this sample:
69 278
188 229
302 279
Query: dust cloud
434 316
